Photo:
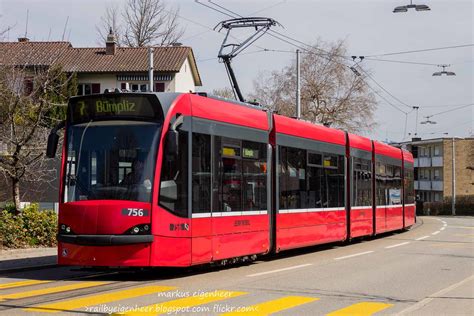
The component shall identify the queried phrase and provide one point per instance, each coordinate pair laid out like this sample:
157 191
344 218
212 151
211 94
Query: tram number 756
135 212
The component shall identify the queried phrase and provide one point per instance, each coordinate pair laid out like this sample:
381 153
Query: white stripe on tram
224 214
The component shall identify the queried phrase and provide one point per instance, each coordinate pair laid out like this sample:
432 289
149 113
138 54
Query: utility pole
416 123
453 202
150 69
298 87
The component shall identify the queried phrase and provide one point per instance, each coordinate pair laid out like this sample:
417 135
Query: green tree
32 100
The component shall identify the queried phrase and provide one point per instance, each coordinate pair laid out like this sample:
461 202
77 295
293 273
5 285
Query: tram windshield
111 156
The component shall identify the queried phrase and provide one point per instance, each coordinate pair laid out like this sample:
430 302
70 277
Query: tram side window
241 170
409 194
334 169
388 184
174 178
381 179
292 178
201 174
254 167
362 182
309 179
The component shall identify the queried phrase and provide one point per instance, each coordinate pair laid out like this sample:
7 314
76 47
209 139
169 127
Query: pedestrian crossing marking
51 290
99 299
361 309
184 304
273 306
21 283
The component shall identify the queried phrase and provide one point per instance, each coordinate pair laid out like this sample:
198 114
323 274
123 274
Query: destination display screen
114 106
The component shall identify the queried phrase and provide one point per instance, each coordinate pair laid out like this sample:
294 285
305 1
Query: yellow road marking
273 306
184 304
98 299
21 283
361 309
51 290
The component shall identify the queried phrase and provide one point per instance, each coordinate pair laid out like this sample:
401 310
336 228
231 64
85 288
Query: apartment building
434 167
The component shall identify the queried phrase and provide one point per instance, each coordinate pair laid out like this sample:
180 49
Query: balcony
437 161
423 185
427 185
437 185
423 162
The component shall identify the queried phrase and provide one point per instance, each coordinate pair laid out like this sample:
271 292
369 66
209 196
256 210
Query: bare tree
29 101
4 30
140 23
226 93
110 20
330 93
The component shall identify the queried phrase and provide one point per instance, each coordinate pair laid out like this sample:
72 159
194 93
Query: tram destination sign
106 107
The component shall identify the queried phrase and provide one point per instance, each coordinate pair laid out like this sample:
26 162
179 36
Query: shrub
464 206
30 228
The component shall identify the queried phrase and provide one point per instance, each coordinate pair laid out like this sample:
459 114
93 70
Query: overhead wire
420 50
291 41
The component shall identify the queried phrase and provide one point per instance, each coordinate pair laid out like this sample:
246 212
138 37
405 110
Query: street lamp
428 121
444 72
417 7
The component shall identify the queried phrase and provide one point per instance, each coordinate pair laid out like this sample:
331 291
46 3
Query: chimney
110 43
23 39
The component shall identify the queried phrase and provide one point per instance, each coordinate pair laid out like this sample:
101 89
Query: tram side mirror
168 191
172 145
53 139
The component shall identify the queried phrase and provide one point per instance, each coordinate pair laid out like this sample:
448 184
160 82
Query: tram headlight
65 229
142 229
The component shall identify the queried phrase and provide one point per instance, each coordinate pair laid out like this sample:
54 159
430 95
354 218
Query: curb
28 268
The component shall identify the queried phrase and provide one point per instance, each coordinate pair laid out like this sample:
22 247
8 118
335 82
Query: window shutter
96 88
159 87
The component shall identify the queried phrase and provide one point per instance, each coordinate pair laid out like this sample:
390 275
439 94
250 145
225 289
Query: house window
437 150
88 88
28 85
159 87
139 87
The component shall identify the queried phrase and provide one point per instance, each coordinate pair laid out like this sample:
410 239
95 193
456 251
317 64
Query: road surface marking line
184 304
272 306
98 299
21 283
280 270
397 245
431 297
442 228
361 309
464 235
354 255
421 238
466 227
51 290
435 233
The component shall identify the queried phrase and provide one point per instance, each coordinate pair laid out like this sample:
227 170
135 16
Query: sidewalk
27 258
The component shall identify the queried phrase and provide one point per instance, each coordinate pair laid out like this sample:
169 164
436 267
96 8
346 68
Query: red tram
169 179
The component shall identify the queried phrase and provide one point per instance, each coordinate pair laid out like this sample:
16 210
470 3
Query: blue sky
368 27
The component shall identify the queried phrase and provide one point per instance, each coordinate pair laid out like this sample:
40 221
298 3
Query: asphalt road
428 270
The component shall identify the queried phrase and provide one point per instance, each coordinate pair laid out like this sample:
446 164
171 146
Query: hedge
464 206
29 228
